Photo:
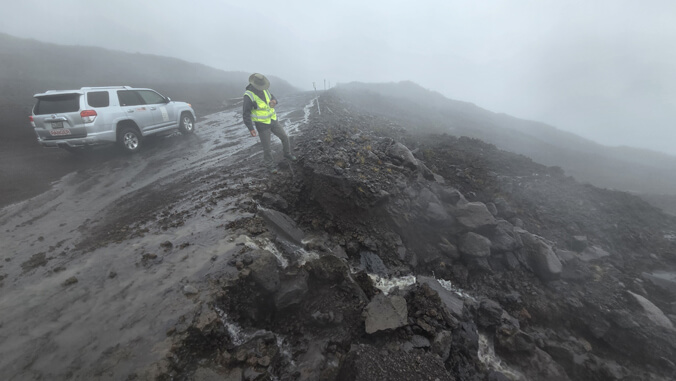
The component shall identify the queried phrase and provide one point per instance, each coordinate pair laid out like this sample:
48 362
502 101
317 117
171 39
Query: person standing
259 111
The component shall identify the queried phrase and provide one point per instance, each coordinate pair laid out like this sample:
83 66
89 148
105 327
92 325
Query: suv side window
129 98
151 97
98 99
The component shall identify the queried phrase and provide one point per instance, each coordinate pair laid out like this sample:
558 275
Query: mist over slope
28 67
622 168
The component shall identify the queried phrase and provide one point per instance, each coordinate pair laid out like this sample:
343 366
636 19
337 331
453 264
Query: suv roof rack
106 87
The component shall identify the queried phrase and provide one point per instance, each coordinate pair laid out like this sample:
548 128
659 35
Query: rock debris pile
385 256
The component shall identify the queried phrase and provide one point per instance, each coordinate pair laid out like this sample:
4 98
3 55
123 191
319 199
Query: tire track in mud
122 248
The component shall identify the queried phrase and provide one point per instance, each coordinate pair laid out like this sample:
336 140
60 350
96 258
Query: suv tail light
88 116
32 121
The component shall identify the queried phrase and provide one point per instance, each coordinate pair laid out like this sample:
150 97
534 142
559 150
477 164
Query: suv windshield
57 104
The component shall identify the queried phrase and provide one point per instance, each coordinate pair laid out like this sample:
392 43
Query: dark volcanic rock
504 238
372 263
264 271
653 312
489 313
293 288
664 280
385 312
368 363
328 268
539 256
475 246
474 216
402 155
505 210
579 243
282 225
593 253
450 301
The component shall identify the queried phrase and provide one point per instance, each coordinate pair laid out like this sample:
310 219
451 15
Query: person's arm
246 115
273 100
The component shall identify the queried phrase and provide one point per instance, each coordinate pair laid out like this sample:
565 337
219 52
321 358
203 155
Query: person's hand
273 103
253 133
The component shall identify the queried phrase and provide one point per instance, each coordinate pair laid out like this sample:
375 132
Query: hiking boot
290 157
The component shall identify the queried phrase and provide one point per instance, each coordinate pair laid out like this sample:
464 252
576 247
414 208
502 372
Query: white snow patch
305 256
446 284
387 284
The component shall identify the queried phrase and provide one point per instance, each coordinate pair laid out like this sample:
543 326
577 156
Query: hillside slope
622 168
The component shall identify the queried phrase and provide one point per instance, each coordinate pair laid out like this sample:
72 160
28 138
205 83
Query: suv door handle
130 110
153 108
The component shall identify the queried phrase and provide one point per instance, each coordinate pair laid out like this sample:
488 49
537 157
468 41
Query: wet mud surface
378 255
94 270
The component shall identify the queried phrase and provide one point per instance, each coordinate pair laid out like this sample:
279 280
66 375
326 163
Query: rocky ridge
381 255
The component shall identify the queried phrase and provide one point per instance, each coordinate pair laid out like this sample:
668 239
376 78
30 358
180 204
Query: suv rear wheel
129 139
187 125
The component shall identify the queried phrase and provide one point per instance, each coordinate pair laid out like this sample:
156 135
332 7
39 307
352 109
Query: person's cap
259 81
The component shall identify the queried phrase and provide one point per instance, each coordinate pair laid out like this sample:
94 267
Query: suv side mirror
167 99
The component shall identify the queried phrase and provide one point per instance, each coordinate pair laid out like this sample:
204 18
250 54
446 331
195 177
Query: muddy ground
378 255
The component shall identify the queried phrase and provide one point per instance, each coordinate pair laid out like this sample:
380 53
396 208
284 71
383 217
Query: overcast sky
603 69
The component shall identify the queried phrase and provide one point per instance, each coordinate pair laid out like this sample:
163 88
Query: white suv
71 119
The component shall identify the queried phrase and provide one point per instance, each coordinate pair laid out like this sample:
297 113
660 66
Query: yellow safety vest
264 113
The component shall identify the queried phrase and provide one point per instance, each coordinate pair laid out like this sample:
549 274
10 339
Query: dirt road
97 269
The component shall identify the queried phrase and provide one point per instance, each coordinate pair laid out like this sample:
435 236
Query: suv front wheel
187 125
129 139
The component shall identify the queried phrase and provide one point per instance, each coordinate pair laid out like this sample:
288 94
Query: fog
602 69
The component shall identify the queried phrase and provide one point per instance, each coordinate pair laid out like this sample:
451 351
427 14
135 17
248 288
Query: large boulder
475 246
436 212
264 271
385 312
282 224
652 312
579 243
372 263
474 216
505 210
450 196
593 253
663 280
401 155
293 288
504 238
539 256
451 302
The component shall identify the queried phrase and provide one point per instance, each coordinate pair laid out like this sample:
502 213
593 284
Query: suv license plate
59 132
57 124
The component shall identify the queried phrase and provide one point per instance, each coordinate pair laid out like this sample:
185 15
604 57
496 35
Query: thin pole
317 98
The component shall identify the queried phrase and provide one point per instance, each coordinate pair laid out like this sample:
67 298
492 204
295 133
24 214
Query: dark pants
264 131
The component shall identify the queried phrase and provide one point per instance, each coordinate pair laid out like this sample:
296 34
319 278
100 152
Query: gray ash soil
546 291
378 255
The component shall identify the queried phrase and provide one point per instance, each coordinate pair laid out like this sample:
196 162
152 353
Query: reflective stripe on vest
264 113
